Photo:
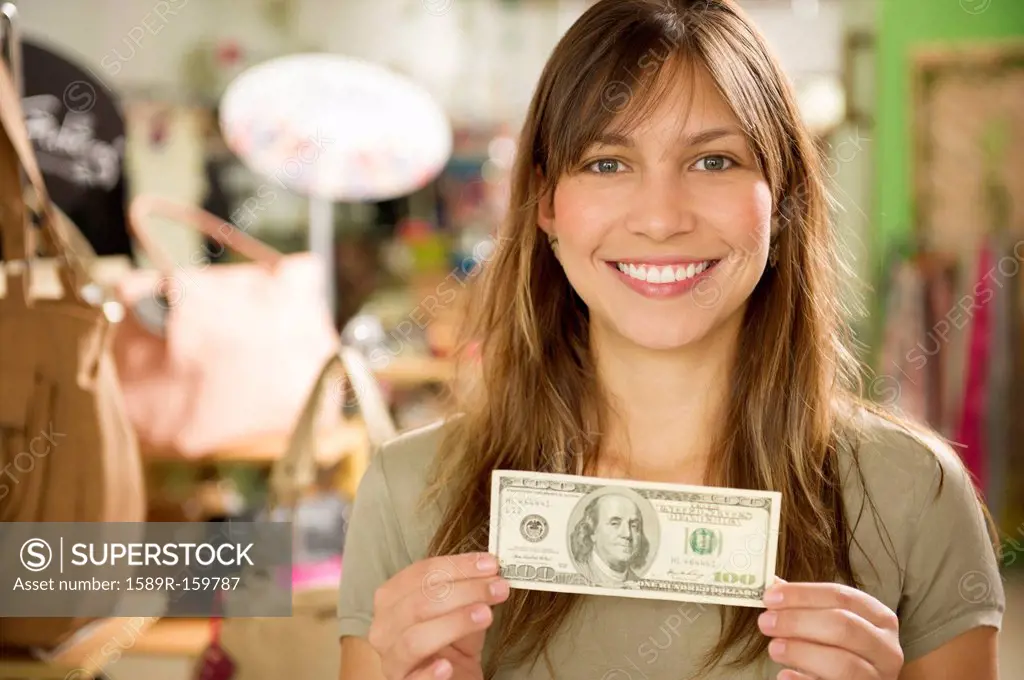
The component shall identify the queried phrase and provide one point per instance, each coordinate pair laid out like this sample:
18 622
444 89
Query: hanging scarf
971 433
902 376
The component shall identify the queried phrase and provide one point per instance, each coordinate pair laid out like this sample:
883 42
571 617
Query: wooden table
21 668
174 637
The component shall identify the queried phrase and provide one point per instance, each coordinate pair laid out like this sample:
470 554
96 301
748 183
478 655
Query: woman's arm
359 661
971 655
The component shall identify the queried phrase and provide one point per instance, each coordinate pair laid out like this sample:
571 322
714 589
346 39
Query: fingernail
480 614
499 588
773 596
767 620
443 669
777 647
486 563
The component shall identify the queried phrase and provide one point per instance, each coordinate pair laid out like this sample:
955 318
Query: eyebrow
696 139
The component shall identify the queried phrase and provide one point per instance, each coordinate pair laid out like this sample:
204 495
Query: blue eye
605 166
715 163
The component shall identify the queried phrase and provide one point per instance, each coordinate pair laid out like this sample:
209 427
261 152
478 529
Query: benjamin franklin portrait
608 542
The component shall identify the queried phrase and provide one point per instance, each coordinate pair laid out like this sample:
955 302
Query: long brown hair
536 403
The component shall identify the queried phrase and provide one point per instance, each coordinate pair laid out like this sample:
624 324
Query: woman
663 306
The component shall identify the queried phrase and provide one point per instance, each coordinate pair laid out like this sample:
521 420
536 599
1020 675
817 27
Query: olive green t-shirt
944 579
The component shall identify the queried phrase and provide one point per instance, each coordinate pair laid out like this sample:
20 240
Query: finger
439 670
820 661
436 573
830 596
423 640
832 627
471 646
426 604
793 675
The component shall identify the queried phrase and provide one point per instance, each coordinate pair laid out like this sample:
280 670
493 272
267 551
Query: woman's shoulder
395 482
389 528
899 464
903 475
405 460
920 539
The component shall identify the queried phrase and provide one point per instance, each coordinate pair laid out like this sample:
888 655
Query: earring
773 254
553 241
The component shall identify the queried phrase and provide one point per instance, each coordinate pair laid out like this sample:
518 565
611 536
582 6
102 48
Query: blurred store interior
918 104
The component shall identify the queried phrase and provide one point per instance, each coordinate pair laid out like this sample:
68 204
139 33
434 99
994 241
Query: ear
545 208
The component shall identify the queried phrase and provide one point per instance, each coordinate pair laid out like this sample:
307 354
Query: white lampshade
335 128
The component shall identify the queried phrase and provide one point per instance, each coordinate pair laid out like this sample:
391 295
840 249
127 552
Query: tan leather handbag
346 379
305 645
212 356
67 450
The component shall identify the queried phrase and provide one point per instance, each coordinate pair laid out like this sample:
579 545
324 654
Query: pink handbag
212 356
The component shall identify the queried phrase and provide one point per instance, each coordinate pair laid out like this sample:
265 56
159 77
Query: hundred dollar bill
624 538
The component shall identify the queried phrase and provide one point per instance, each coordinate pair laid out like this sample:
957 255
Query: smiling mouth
669 273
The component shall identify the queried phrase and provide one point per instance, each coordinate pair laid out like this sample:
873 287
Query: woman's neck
666 407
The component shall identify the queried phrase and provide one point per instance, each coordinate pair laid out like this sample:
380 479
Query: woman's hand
430 619
830 632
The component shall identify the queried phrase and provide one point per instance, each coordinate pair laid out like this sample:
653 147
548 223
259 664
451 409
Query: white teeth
667 274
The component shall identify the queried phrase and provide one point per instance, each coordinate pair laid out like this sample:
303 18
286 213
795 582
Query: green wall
904 25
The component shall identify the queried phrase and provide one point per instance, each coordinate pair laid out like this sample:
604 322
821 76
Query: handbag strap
62 237
15 239
224 233
296 469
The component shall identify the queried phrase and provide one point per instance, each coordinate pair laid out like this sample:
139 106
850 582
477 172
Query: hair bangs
611 89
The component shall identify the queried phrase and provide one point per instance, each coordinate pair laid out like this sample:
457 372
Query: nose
661 207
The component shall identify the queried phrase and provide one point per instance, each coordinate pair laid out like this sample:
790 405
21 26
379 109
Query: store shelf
346 439
411 371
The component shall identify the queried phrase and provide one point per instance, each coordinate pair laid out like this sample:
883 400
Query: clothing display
911 374
952 359
903 381
942 294
1011 511
999 406
970 434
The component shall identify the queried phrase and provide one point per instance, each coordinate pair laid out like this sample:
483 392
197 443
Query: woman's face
664 233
